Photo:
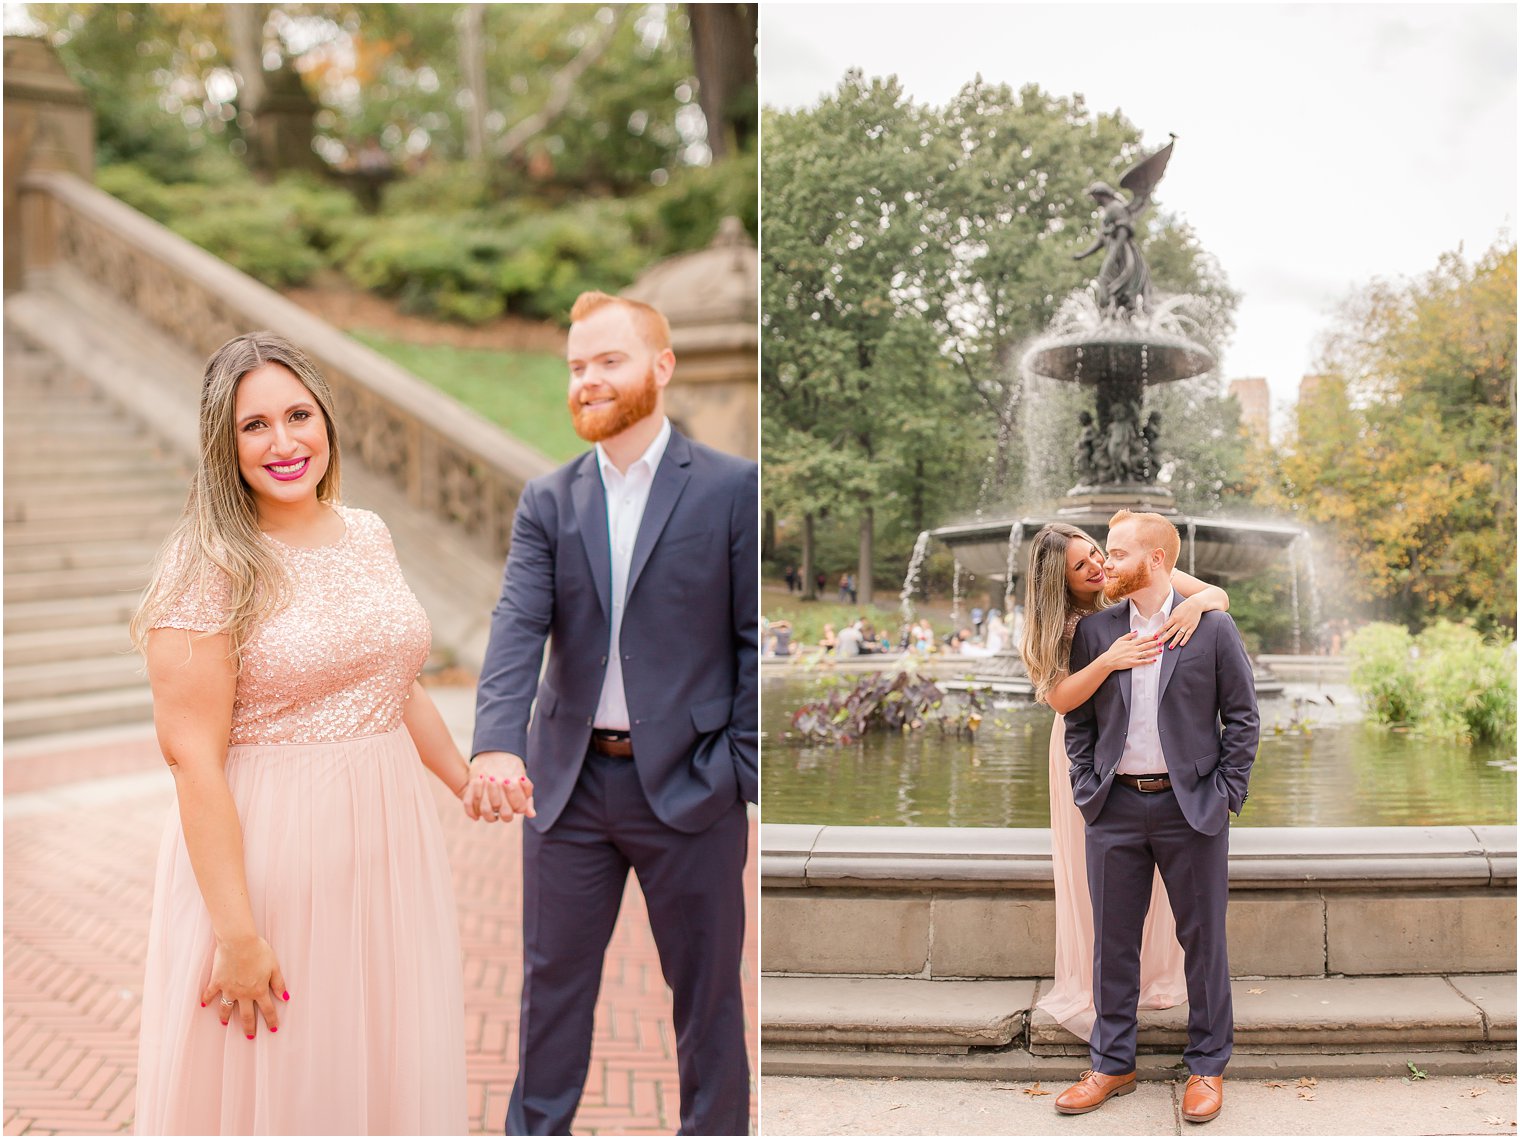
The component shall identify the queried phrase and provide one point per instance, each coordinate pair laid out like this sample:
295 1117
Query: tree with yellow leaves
1403 457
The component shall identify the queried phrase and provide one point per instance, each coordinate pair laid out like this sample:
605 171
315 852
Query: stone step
834 1018
105 709
148 480
68 613
76 531
134 454
39 509
123 441
50 416
70 677
137 552
41 646
41 585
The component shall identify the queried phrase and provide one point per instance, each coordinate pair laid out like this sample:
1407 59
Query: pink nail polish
271 1029
523 779
493 779
203 1004
285 996
250 1036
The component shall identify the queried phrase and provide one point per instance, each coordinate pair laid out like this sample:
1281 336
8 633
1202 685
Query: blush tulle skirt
349 880
1070 999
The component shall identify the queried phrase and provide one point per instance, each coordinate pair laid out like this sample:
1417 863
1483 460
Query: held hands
246 979
1131 651
1183 621
499 788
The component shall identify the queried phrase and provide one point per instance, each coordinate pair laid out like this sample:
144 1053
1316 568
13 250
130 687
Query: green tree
1404 449
908 253
855 388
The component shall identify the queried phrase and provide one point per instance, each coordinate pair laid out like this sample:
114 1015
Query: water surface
1336 772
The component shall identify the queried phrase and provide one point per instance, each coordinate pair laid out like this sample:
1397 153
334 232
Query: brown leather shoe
1203 1098
1094 1088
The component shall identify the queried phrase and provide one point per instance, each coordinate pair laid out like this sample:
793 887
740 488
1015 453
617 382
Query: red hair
1156 532
650 322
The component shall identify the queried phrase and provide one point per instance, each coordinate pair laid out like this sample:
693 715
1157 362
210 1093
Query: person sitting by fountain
1065 584
923 636
779 639
870 642
996 639
849 642
953 641
830 640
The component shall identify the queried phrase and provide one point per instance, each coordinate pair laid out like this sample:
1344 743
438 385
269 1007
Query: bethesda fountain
1117 338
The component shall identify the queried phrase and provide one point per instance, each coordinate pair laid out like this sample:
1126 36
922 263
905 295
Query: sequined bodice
339 660
1072 617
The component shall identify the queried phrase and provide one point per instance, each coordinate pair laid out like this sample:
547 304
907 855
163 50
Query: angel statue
1124 282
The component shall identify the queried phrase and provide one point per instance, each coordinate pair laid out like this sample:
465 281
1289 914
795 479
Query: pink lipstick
288 472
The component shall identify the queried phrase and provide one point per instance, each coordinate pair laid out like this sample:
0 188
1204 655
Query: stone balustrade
447 461
978 903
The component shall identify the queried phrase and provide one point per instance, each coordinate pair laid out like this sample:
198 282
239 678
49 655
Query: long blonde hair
1047 605
218 531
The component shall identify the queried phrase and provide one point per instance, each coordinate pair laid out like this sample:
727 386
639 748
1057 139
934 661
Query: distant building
1309 385
1255 401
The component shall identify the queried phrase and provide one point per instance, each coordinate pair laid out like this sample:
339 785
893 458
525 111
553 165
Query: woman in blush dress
1065 584
303 971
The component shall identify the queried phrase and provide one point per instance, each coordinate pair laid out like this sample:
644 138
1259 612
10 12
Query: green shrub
255 239
1446 682
1381 671
1467 688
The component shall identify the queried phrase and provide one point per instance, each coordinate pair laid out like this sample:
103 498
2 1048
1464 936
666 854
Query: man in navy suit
1160 755
638 562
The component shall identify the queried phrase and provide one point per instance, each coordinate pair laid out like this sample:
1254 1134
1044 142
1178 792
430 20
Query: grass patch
522 392
808 617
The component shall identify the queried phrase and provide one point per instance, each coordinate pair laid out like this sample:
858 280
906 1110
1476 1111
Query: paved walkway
1446 1105
83 817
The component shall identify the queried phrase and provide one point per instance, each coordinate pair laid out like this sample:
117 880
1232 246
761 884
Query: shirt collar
652 455
1165 611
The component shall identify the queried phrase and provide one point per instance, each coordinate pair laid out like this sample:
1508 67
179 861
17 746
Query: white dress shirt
1142 747
626 495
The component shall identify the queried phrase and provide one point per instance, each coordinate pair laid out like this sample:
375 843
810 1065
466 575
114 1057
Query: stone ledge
952 1015
1308 1016
1012 1063
1019 858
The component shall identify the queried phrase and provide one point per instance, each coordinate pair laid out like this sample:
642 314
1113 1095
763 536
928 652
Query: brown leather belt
607 742
1147 783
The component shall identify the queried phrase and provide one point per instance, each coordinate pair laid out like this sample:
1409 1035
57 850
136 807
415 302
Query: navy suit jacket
1206 716
689 636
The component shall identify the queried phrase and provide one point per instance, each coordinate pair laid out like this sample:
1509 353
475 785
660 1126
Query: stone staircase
89 497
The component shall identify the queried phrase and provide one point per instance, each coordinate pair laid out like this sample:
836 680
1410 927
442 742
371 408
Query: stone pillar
48 126
711 299
280 126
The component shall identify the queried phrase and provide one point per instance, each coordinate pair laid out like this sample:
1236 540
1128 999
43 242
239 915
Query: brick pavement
82 828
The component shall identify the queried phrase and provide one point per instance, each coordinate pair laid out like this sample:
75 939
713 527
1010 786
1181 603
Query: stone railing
978 903
448 462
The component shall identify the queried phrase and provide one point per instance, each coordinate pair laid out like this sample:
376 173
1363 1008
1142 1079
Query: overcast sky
1319 146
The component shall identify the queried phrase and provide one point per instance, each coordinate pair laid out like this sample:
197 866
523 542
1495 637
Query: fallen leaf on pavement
1307 1082
1036 1090
1474 1093
1494 1120
1257 992
1504 1078
1273 1084
1305 1093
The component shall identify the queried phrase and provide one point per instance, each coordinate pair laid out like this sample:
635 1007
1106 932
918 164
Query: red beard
1123 584
594 424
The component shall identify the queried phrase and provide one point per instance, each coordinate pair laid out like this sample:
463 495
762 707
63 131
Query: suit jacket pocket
1204 764
712 715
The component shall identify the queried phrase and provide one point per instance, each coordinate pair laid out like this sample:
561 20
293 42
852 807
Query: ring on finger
229 1004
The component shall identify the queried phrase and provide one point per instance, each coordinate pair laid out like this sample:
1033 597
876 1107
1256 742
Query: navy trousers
1136 832
573 881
